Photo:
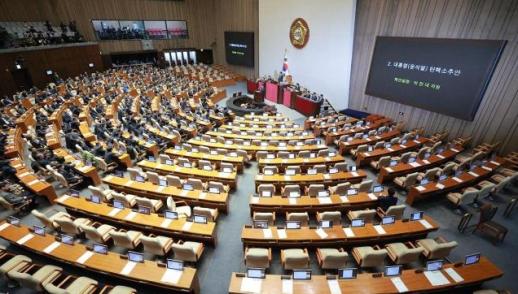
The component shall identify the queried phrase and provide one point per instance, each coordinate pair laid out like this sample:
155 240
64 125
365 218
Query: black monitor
118 204
135 256
201 219
39 230
174 264
393 270
171 214
472 258
347 273
67 239
293 225
388 220
100 248
301 274
357 222
256 273
416 215
434 265
260 224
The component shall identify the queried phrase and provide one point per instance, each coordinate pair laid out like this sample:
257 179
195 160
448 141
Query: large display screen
447 76
140 29
239 48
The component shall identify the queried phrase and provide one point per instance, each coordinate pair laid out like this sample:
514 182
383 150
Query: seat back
217 185
122 198
163 158
184 252
261 154
207 212
486 190
374 258
422 152
181 161
153 177
67 226
173 181
301 217
334 216
314 189
92 233
196 183
290 188
153 245
294 168
42 218
448 168
405 157
410 180
341 189
273 169
133 172
396 210
442 250
121 239
323 153
383 162
365 186
265 216
320 168
256 258
226 165
341 166
266 187
305 154
362 148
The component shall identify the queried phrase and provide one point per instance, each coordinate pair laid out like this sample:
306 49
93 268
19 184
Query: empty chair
331 258
469 195
102 165
405 157
422 152
71 226
157 245
340 189
153 177
184 162
180 207
133 172
79 285
333 216
341 166
305 154
153 204
407 181
294 258
430 174
437 248
313 189
486 188
394 140
366 214
323 153
449 168
270 170
244 154
290 190
49 221
261 154
359 149
126 239
379 145
382 162
127 200
163 158
283 154
265 216
16 263
204 149
364 186
302 217
213 186
210 213
197 184
294 169
320 168
258 257
227 167
173 181
99 233
188 251
394 210
403 253
205 165
104 195
367 256
265 188
37 280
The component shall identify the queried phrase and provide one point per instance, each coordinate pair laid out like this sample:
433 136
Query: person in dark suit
387 201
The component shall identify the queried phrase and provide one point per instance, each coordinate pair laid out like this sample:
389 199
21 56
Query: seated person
387 201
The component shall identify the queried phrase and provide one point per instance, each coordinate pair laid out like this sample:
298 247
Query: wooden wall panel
497 117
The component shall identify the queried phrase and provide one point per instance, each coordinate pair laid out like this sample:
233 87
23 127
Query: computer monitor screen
201 219
388 145
100 248
95 199
352 168
13 220
282 144
186 164
119 174
266 193
135 256
388 220
434 265
424 182
411 160
333 170
293 225
168 162
403 142
357 222
323 194
207 167
291 156
139 179
416 215
170 214
270 156
261 224
311 155
391 271
290 172
256 273
294 194
325 224
377 189
188 187
118 204
162 183
39 230
331 154
67 239
472 258
268 172
352 192
442 178
151 158
347 273
49 72
174 264
302 274
74 193
393 163
144 209
312 171
427 155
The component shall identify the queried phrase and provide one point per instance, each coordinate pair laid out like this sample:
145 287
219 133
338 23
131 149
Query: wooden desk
244 127
331 136
237 161
472 275
257 121
306 180
400 169
311 121
344 147
150 190
32 182
265 116
150 147
86 171
452 183
336 236
152 223
363 158
112 264
190 172
169 138
308 204
319 128
304 163
262 136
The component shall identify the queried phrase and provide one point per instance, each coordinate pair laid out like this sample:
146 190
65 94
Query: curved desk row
306 179
261 136
237 161
254 127
344 147
304 163
363 158
331 136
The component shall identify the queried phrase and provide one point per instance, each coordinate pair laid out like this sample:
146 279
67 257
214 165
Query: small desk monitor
472 258
351 192
168 162
292 225
170 214
13 220
260 224
151 158
174 264
268 172
427 155
377 189
424 182
187 164
312 171
256 273
388 145
74 193
434 265
290 172
294 194
333 170
139 178
95 199
301 274
393 163
207 167
442 178
118 204
144 209
415 216
325 224
388 220
67 239
352 168
100 248
162 182
323 193
392 271
347 273
266 194
38 230
135 256
357 222
214 190
411 160
188 187
200 219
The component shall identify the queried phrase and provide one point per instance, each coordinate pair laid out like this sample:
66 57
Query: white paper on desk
454 275
457 180
380 230
355 174
334 287
267 233
83 258
160 188
292 200
130 215
390 149
63 198
4 226
287 286
420 188
439 186
415 164
109 178
51 247
321 233
398 283
171 276
254 200
287 178
344 199
349 232
202 195
473 174
184 193
372 196
33 182
282 234
494 162
324 200
250 285
128 268
25 239
129 183
436 278
454 150
259 177
114 212
326 176
402 146
165 223
23 174
367 154
187 226
440 156
425 223
389 169
487 168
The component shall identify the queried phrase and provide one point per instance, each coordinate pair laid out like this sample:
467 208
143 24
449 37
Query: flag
285 63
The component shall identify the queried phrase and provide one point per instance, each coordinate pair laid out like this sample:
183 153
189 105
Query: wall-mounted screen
140 29
177 29
239 48
155 29
447 76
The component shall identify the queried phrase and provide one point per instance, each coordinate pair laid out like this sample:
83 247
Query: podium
306 106
251 86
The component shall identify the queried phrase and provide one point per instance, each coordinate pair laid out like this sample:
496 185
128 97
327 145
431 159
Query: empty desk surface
150 190
365 283
301 161
366 157
305 179
110 264
153 223
338 236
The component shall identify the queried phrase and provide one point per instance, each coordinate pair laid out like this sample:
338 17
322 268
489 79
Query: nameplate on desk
83 258
186 226
251 285
51 247
202 195
425 223
287 178
440 156
130 215
344 199
436 278
114 212
321 233
126 270
267 233
454 275
171 276
3 226
415 164
324 200
487 168
165 223
368 139
455 150
25 239
494 162
398 283
23 174
282 234
372 196
254 200
63 198
439 186
420 188
380 230
287 286
402 146
366 154
355 174
161 188
457 180
334 286
292 201
33 182
349 232
473 174
389 169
